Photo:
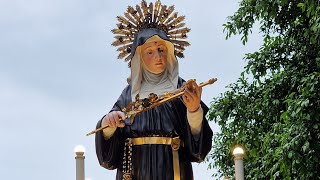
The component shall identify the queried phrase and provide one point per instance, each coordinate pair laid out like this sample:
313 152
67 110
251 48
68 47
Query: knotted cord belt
174 142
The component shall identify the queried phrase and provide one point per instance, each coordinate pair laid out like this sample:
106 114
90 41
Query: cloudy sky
59 75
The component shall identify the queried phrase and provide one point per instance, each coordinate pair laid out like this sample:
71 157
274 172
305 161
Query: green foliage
276 115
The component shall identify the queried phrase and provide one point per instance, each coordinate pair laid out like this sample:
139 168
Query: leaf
305 103
284 115
300 5
305 147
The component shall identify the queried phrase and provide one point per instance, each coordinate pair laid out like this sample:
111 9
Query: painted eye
149 52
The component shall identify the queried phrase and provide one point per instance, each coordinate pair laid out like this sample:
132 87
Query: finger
121 115
105 121
119 118
112 120
198 91
185 99
191 86
195 87
190 96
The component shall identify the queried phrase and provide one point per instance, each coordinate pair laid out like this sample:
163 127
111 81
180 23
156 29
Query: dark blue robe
154 162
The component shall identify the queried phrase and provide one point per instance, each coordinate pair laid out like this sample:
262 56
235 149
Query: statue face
154 56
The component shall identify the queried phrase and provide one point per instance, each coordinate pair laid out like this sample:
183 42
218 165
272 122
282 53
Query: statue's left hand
192 96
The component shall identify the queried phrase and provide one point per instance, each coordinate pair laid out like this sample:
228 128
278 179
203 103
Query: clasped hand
114 119
192 96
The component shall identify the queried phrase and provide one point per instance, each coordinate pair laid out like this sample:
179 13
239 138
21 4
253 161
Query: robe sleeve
110 151
199 147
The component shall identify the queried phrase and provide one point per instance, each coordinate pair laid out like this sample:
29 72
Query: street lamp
238 153
79 151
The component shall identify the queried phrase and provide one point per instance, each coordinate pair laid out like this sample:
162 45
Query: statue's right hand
114 119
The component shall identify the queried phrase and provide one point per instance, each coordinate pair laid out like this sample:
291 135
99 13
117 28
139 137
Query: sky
59 75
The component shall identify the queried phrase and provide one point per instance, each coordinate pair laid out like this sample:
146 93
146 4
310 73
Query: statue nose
158 55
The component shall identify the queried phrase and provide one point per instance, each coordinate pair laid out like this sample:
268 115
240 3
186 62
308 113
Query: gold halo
152 16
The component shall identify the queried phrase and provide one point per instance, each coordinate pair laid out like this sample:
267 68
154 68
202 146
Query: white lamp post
238 154
79 151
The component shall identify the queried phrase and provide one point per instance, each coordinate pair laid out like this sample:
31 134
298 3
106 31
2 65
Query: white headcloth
144 82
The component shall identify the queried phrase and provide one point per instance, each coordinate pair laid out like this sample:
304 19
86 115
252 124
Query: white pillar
79 150
238 154
238 162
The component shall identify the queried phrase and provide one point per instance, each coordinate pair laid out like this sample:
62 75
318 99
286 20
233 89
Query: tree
275 113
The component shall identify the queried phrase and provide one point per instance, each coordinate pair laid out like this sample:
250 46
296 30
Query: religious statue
165 136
